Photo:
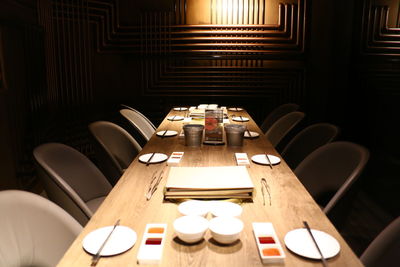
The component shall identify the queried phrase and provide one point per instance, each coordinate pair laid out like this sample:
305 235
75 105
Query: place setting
235 109
153 158
240 118
250 134
311 243
180 108
109 241
266 159
175 118
166 133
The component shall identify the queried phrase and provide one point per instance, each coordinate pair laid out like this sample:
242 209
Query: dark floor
364 222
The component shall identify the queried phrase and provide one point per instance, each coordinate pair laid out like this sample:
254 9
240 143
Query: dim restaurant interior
109 155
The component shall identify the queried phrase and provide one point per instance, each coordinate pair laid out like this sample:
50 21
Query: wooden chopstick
269 161
149 160
248 132
96 257
324 263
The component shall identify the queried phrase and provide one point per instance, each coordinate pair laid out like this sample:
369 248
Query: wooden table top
290 206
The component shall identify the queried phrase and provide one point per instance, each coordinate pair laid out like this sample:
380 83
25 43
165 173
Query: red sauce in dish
153 241
266 240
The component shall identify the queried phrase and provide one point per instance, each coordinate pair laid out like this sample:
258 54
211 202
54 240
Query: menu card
213 130
209 182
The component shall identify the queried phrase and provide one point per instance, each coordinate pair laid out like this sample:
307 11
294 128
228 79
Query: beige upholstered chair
330 170
71 180
282 127
307 140
141 114
139 122
33 230
276 114
115 148
384 250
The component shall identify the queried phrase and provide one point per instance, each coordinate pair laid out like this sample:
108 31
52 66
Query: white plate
224 208
252 134
122 239
241 119
300 242
262 159
175 118
180 108
158 157
235 109
194 207
168 133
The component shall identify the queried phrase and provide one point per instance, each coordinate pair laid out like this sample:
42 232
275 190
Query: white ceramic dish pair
224 230
217 208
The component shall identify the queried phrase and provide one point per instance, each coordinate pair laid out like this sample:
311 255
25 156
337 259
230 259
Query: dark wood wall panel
170 57
378 37
240 77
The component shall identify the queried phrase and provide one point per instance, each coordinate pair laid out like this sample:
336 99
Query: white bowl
190 229
224 208
225 230
194 207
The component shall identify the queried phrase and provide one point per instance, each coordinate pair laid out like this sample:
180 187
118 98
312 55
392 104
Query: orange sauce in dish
156 230
271 252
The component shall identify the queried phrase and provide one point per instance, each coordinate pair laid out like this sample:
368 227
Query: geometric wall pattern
377 37
176 58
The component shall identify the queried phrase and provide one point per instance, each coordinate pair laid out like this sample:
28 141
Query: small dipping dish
191 228
225 230
224 208
194 207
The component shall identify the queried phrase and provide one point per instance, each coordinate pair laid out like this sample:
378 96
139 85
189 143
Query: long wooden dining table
291 204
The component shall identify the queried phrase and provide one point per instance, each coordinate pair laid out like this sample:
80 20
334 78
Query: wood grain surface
290 206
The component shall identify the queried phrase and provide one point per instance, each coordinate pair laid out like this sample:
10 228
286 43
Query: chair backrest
71 180
276 114
33 230
384 250
307 140
283 126
332 169
115 148
141 114
139 122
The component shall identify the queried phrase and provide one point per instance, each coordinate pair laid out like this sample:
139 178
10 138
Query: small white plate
158 157
235 109
224 208
180 108
300 242
168 133
194 207
175 118
241 119
252 134
262 159
122 239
